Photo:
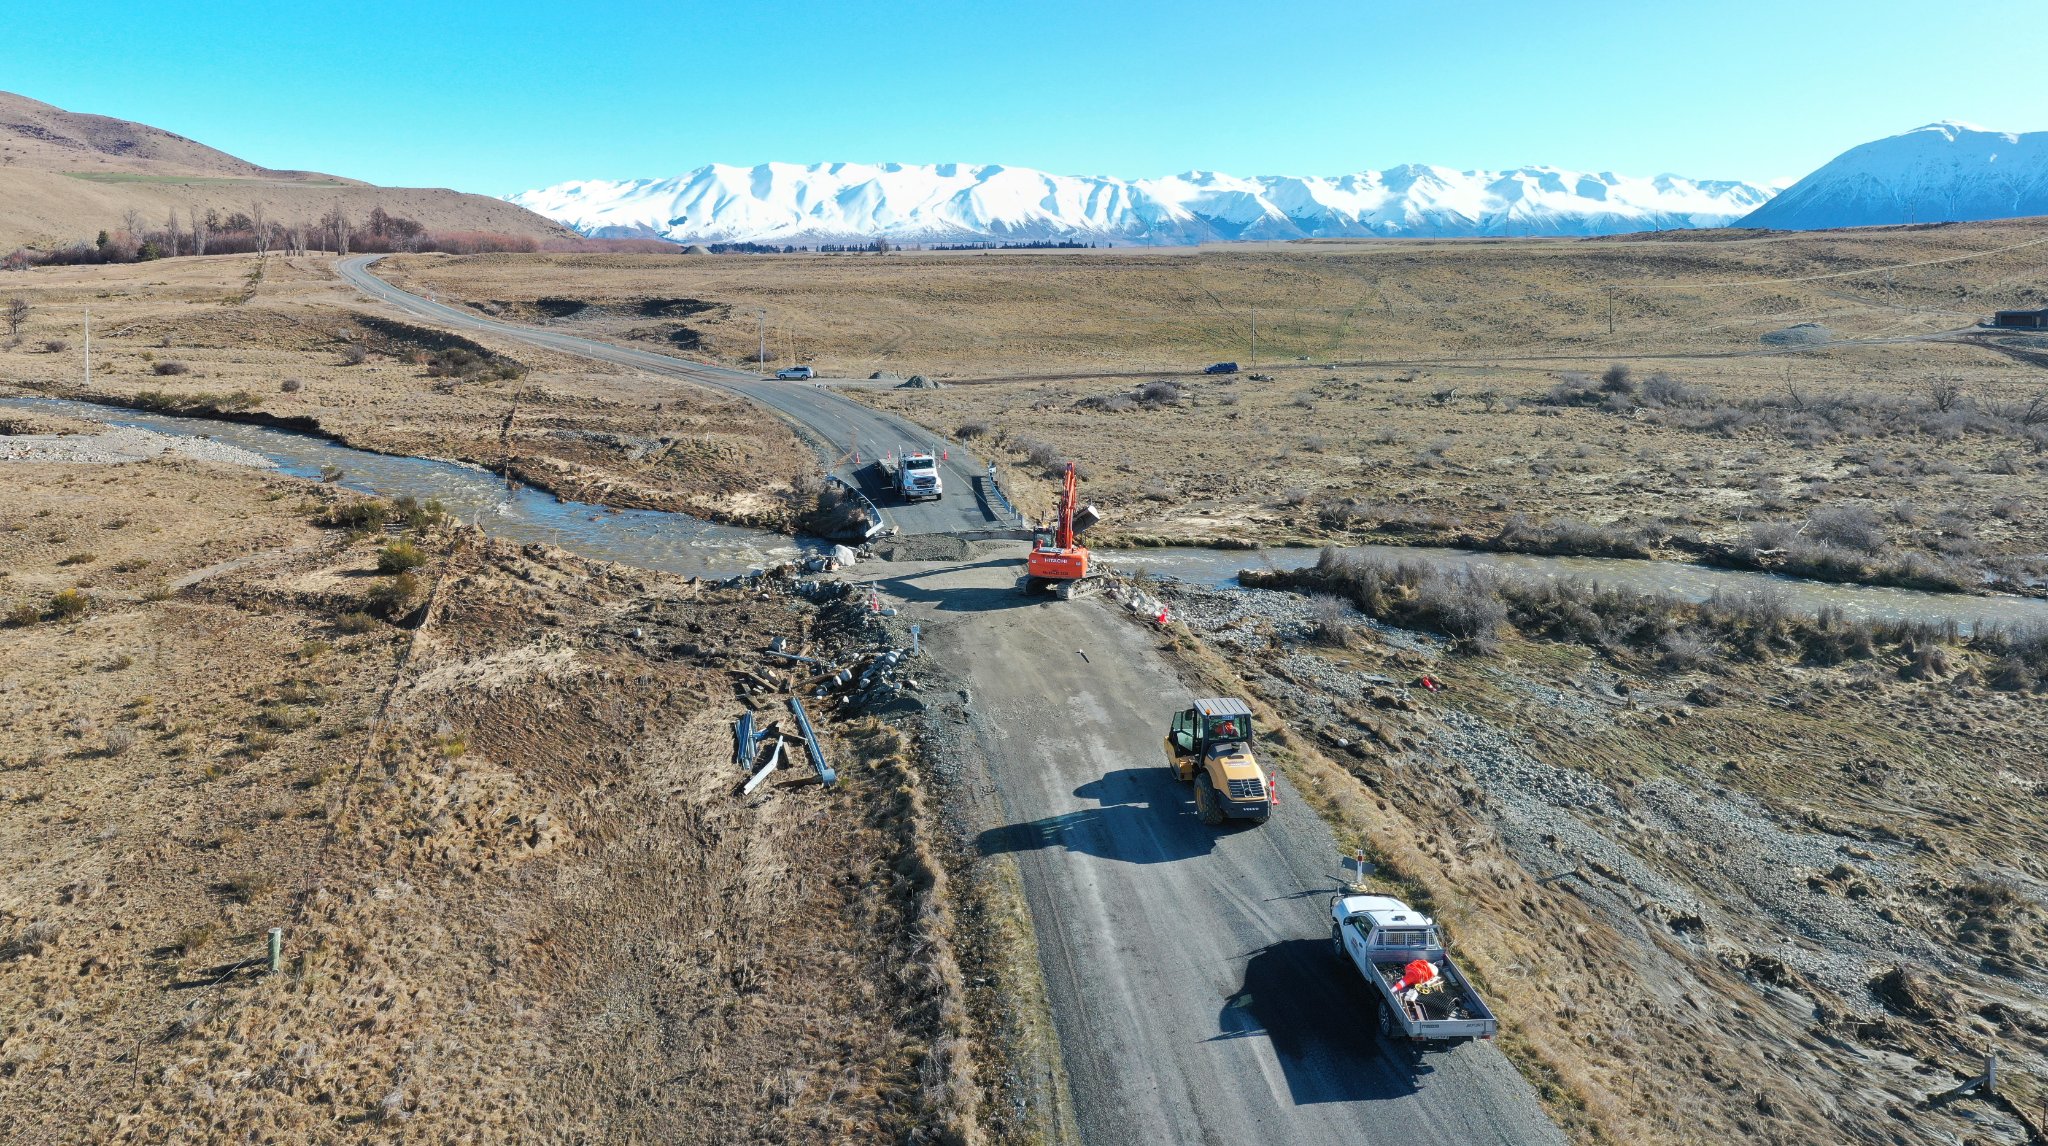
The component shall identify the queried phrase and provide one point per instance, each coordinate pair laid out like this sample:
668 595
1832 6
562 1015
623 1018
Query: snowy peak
951 202
1942 172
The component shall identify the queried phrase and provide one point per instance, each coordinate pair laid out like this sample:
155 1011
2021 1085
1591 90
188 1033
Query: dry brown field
1429 391
521 895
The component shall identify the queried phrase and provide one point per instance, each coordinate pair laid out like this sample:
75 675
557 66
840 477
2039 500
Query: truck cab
1210 746
917 477
1383 939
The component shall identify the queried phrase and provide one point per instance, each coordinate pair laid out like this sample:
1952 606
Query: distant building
2021 319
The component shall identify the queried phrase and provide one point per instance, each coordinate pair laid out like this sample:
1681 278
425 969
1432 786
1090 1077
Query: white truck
917 476
1422 996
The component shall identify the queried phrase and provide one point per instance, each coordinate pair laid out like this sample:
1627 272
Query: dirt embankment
289 346
491 802
1730 900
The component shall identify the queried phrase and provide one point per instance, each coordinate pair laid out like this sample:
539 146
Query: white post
88 348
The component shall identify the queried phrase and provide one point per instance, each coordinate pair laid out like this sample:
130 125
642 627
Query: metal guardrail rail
993 491
874 511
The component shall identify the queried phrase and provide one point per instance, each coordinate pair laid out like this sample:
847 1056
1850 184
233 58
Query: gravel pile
1265 618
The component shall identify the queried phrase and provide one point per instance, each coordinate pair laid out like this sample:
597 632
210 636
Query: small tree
17 314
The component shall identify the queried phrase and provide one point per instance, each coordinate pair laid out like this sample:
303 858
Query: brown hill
64 176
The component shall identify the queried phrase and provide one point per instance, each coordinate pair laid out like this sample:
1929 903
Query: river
679 543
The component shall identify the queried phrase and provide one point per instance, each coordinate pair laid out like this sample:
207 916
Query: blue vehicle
1220 368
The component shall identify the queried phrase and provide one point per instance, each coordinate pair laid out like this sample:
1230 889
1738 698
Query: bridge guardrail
994 491
874 511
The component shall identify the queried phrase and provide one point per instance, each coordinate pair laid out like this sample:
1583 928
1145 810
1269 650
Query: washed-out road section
839 428
1193 984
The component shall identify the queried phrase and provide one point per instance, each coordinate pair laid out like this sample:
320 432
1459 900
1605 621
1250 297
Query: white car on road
796 374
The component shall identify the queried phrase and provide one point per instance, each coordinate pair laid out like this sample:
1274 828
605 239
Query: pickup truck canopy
1385 911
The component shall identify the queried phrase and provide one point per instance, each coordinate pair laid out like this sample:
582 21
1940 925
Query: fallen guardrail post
817 751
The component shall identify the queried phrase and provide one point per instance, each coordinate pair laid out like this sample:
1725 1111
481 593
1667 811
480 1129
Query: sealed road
1194 988
839 428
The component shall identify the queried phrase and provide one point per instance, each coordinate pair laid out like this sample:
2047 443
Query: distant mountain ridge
949 202
1940 173
64 176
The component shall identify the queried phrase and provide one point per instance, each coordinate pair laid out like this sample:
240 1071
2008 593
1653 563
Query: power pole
761 318
88 348
1255 338
1610 310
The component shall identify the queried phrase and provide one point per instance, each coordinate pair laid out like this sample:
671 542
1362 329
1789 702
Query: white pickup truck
917 476
1383 938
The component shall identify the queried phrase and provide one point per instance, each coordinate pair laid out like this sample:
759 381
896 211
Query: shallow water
679 543
673 542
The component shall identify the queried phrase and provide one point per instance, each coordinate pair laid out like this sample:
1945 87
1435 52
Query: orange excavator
1057 561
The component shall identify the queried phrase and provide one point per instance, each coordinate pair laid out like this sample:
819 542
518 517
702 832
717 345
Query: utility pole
1255 338
88 348
761 319
1610 310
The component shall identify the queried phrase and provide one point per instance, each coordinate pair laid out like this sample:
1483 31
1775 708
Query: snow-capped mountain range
951 202
1943 172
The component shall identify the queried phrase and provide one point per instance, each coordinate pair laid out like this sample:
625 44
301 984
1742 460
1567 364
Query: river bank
679 543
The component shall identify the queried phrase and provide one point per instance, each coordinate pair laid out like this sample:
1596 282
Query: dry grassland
1415 387
211 334
522 899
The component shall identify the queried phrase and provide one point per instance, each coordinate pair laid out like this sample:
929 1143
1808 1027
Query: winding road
1189 969
839 428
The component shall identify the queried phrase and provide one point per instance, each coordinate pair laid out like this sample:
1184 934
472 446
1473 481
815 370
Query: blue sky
499 97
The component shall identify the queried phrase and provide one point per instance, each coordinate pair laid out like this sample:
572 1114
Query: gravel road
1194 990
847 435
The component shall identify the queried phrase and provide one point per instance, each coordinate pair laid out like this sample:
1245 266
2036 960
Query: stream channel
679 543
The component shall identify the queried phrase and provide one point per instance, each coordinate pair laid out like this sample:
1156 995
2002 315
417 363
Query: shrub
1615 380
969 431
1331 618
356 622
1854 525
1664 390
364 514
69 603
1567 537
354 355
399 556
170 367
1679 652
23 615
55 346
290 385
417 514
285 717
392 598
78 559
247 887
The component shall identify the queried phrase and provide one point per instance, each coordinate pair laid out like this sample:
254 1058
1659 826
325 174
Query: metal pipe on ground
817 751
